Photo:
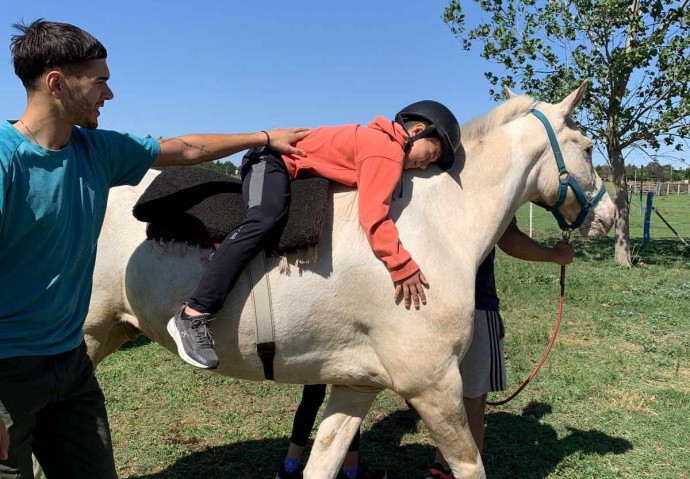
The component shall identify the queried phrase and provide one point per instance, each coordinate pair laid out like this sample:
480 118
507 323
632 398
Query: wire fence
662 188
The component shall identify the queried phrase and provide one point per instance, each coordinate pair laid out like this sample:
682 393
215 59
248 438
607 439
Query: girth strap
263 313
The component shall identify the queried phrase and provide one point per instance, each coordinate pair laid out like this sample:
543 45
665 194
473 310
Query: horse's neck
497 177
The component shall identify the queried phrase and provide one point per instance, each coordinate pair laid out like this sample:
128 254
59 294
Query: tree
604 171
635 54
677 175
226 167
657 171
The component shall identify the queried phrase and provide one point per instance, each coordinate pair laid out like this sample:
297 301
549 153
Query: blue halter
565 181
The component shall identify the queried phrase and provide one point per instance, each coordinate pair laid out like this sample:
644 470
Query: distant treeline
652 171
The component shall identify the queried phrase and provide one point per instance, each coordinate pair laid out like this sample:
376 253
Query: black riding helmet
442 124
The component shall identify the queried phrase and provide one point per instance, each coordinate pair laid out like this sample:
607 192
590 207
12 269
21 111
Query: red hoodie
370 158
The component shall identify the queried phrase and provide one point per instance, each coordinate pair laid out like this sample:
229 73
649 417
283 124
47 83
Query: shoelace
202 333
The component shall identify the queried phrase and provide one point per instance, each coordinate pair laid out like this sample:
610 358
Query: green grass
613 400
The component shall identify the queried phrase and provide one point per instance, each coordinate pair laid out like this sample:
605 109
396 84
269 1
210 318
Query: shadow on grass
140 341
261 459
518 446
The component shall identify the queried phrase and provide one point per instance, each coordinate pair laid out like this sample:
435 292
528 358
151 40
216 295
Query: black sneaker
364 472
193 338
296 474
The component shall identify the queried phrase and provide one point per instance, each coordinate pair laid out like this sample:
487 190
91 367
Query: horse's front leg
343 416
441 408
104 335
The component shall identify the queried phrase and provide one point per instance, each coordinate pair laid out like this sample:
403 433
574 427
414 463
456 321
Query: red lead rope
561 302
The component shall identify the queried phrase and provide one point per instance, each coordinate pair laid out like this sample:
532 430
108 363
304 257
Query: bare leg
474 407
351 460
294 451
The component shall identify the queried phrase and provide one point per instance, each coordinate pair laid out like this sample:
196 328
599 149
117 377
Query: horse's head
567 184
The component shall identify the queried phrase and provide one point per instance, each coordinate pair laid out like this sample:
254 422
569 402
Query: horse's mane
507 111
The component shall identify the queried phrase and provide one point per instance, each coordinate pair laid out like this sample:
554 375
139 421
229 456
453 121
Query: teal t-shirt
52 206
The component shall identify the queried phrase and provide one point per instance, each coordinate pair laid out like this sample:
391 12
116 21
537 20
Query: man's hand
281 140
412 290
4 441
563 253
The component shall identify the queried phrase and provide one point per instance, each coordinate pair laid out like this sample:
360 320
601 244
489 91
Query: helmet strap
411 139
426 132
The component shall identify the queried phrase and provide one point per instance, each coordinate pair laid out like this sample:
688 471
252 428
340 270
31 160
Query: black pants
266 195
53 407
305 416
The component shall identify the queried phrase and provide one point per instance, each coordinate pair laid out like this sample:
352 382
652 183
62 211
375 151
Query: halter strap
565 181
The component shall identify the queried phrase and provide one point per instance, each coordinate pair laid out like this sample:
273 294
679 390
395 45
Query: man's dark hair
43 46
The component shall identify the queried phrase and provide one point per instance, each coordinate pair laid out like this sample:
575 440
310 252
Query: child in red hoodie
371 158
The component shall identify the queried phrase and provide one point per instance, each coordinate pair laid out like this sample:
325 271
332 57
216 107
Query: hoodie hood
391 128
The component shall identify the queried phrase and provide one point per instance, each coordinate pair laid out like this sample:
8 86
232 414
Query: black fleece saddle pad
203 206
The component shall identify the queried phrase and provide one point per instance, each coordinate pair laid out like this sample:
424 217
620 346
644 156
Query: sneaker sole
175 335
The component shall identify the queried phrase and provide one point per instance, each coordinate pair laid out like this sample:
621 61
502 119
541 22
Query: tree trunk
622 227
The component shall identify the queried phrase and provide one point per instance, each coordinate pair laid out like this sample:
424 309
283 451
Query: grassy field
613 400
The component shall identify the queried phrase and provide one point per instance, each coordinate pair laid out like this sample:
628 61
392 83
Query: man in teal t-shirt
56 169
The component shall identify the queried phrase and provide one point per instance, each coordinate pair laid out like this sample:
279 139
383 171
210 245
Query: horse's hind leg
343 416
441 408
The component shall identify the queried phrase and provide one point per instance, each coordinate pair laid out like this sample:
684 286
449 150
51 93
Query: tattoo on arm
201 148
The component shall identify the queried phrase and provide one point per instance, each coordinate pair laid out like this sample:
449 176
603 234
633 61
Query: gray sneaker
193 338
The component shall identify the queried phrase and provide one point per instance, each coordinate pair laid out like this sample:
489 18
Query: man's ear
54 82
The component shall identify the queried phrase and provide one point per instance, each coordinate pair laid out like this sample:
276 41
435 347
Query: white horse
335 320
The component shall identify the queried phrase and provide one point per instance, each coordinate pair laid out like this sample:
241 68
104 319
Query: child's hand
412 290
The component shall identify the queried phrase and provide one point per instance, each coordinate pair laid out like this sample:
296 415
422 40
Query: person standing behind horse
291 467
56 169
371 158
483 367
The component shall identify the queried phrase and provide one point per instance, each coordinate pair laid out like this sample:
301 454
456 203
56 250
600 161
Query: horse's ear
509 93
571 101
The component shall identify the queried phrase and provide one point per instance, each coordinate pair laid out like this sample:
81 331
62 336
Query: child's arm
377 178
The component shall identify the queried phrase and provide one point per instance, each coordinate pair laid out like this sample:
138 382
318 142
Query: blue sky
239 66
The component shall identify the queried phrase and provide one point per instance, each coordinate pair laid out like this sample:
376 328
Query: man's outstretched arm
195 149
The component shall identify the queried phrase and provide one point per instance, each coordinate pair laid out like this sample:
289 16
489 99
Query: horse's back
334 319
